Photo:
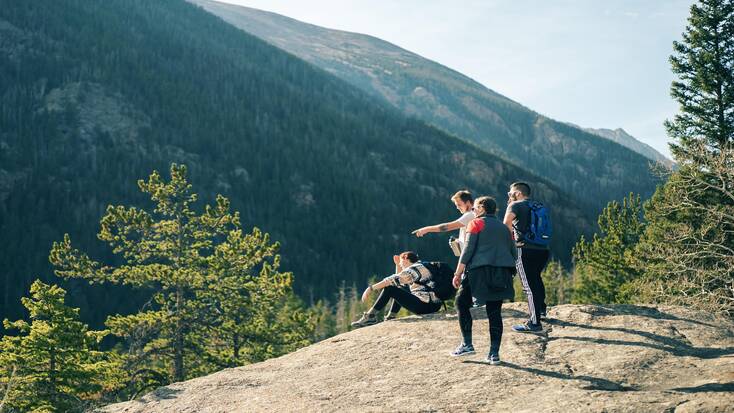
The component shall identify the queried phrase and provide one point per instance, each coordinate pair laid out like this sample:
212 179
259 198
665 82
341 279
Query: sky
596 64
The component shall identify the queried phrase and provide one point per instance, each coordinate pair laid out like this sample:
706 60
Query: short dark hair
464 195
522 187
410 256
488 204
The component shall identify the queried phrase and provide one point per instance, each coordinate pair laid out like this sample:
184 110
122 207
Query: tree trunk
236 348
178 341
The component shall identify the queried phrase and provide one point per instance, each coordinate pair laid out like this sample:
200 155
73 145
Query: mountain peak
623 138
593 358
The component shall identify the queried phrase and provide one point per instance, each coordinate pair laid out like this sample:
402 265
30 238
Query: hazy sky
597 64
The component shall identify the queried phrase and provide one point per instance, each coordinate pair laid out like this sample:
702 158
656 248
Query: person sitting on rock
484 272
418 298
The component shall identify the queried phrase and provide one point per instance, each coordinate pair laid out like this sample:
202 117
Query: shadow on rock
595 383
637 310
163 393
667 344
708 387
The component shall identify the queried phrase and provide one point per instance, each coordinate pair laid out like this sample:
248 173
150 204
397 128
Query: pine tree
341 312
558 284
687 252
325 320
704 64
202 270
52 365
257 314
605 265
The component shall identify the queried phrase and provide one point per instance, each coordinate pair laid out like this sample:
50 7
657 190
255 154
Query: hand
456 281
396 259
420 232
366 294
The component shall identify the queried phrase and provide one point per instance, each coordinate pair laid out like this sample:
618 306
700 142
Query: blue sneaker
528 327
493 358
463 350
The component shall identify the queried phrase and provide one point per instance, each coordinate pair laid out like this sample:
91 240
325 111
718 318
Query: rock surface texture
591 358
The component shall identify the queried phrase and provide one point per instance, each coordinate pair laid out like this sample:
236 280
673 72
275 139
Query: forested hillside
95 95
590 168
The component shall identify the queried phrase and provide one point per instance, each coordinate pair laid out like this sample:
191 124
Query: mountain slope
579 162
621 136
612 359
95 95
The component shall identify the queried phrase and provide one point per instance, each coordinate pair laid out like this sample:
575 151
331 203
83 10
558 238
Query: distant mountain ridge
621 136
576 160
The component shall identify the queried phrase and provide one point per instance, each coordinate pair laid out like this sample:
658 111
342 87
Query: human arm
401 277
509 218
457 275
445 227
376 287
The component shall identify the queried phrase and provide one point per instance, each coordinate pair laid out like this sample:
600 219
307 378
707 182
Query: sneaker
390 316
367 319
543 315
463 350
528 327
493 358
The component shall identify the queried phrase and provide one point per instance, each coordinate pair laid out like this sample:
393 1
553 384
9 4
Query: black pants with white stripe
530 265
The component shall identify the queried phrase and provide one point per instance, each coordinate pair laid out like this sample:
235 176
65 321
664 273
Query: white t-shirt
465 219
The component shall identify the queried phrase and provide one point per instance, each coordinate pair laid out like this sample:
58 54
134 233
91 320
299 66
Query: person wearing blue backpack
529 222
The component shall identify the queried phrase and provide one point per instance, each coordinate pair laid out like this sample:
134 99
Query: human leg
463 303
534 262
520 264
494 317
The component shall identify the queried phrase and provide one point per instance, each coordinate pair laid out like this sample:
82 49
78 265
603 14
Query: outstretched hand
419 232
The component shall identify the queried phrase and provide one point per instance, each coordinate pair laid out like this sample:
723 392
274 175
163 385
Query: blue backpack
540 229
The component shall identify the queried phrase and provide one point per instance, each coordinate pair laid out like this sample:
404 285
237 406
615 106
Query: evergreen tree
202 271
687 251
325 320
704 64
558 284
605 265
341 312
52 365
688 248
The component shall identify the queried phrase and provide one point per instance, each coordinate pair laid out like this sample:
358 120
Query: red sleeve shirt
476 226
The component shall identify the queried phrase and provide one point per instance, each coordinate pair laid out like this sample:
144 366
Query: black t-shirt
521 223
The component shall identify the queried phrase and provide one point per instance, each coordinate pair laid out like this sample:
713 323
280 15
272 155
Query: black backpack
441 280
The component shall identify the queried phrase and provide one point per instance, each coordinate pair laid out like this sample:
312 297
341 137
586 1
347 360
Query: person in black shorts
531 258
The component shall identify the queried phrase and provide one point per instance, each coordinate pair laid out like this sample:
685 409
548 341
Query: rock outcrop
592 358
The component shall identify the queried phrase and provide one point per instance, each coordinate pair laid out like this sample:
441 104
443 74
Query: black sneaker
463 350
493 358
367 319
528 327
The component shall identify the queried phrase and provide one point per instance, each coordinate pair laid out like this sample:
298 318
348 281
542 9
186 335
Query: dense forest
591 169
96 95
